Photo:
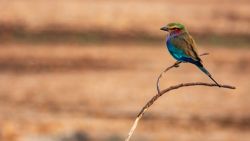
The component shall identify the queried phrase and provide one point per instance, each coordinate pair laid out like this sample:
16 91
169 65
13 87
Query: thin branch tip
164 91
160 93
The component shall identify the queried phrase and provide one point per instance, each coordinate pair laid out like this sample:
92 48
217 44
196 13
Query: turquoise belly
175 52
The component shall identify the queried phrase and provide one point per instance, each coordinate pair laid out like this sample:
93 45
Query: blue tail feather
197 63
200 66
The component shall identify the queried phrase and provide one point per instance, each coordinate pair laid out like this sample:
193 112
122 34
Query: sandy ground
93 92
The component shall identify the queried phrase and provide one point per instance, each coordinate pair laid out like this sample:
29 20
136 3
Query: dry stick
160 93
153 99
176 64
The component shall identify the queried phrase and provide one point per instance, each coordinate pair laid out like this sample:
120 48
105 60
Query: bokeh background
80 70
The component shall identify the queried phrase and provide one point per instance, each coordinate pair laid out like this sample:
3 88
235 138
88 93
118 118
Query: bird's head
173 27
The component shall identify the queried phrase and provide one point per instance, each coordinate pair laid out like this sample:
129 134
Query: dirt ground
93 92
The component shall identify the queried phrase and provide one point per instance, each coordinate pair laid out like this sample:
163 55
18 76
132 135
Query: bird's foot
176 65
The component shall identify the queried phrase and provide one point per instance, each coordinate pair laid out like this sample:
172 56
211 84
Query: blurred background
81 70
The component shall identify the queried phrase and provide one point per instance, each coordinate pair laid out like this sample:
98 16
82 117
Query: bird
183 48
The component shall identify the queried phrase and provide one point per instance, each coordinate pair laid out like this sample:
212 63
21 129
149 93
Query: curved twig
153 99
176 64
160 93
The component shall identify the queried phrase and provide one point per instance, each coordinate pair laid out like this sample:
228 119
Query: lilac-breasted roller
182 47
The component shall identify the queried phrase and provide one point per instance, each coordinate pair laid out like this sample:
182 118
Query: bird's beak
164 28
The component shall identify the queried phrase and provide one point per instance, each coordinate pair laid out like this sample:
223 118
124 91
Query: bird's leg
176 64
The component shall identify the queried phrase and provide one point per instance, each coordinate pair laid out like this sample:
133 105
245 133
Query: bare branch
160 93
153 99
203 54
176 64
